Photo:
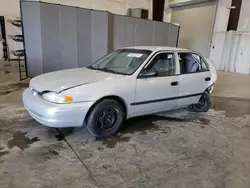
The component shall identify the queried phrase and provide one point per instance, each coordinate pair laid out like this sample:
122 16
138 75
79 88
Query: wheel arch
113 97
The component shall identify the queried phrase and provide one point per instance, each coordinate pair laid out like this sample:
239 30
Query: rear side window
191 63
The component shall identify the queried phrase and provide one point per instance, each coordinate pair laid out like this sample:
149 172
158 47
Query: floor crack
91 175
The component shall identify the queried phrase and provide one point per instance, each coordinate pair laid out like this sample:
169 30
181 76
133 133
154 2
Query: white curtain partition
230 51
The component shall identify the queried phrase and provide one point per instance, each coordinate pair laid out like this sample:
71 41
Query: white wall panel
231 52
222 15
242 64
217 48
244 20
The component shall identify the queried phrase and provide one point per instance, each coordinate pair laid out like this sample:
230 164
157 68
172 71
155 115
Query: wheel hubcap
107 119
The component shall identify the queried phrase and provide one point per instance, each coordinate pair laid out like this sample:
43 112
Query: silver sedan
126 83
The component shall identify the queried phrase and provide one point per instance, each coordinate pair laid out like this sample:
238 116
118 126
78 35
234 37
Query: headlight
57 98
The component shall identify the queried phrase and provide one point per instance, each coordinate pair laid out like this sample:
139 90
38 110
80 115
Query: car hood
65 79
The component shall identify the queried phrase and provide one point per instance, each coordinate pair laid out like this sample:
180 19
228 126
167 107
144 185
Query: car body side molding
165 99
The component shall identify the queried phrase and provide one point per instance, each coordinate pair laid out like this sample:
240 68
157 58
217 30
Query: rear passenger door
194 79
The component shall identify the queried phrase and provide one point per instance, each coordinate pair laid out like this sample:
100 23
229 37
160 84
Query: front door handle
207 79
174 84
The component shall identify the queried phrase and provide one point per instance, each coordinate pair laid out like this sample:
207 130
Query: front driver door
158 93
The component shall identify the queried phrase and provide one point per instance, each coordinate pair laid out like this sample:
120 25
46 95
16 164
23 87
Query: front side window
191 63
163 64
125 61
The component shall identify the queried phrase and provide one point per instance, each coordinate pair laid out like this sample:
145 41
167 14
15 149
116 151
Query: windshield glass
125 61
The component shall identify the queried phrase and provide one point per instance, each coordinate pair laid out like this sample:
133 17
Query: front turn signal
68 99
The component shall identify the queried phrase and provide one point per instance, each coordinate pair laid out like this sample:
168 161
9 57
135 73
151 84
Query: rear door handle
174 83
207 79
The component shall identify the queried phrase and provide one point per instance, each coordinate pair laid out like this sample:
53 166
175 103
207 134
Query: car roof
157 48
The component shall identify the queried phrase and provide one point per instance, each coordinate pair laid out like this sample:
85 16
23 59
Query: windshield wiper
111 71
106 70
94 68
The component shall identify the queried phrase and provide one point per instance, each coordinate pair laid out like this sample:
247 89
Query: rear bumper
55 115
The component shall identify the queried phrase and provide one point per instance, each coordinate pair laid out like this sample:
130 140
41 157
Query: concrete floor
174 150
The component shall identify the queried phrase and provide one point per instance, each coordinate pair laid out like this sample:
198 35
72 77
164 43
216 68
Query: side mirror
148 73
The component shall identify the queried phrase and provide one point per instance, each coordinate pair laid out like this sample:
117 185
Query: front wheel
105 119
203 105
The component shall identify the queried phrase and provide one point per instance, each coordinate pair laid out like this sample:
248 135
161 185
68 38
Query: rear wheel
105 119
203 105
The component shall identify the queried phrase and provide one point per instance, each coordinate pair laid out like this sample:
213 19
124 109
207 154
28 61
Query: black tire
203 105
100 124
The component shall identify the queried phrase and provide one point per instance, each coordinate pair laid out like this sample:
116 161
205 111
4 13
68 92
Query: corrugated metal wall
60 37
231 51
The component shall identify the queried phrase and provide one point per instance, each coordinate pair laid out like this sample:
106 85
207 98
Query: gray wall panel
84 37
60 37
119 31
144 32
130 31
161 34
52 57
173 35
110 32
68 36
99 34
32 35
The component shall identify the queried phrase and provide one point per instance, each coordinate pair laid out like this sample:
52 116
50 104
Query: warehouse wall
230 49
220 30
195 32
114 6
11 7
222 15
244 20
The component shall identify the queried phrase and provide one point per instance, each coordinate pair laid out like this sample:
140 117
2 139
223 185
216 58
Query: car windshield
125 61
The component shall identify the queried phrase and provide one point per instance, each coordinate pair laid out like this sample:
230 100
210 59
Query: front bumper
55 115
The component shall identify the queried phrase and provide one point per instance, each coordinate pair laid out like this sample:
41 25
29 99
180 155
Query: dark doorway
158 10
234 15
2 27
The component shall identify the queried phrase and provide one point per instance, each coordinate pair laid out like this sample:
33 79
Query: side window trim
177 69
196 53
